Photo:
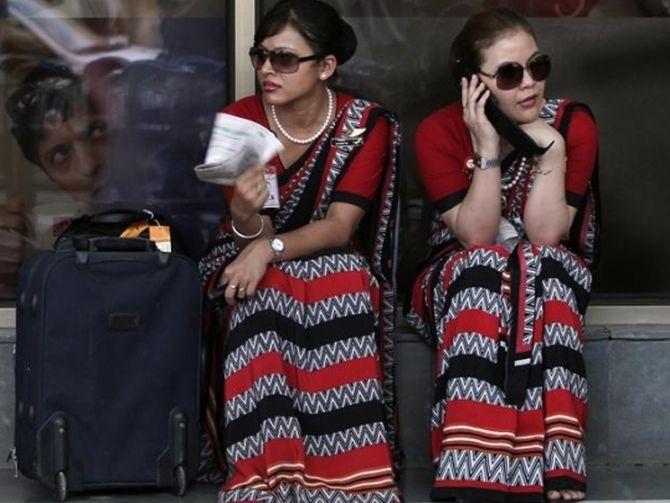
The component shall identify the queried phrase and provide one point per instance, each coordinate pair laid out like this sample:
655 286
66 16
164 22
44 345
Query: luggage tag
353 139
273 188
160 234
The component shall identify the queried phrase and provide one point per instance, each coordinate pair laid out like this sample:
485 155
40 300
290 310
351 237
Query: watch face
277 245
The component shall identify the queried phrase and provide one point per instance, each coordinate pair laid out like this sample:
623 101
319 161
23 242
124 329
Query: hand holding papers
236 145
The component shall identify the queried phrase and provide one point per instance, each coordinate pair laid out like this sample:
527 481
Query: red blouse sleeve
359 184
441 148
581 151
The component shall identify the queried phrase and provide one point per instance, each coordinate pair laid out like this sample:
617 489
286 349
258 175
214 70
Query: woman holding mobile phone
503 294
304 358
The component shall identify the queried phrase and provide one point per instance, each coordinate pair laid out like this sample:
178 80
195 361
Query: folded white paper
236 145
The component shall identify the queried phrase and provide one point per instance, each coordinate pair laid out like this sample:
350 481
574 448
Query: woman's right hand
250 193
485 139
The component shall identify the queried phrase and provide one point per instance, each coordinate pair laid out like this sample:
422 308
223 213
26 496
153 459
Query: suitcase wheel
179 487
61 486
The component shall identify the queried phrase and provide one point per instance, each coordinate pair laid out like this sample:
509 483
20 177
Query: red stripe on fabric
492 486
564 473
472 320
318 289
282 450
287 455
562 402
303 380
347 463
556 311
494 417
500 451
436 442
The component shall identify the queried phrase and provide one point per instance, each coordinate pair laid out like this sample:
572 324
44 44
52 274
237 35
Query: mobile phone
506 127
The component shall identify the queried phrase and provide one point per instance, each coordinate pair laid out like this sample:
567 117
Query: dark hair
479 32
49 88
318 23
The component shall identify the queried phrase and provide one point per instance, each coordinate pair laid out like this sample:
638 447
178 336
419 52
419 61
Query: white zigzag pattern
473 343
562 378
533 399
216 257
345 440
308 315
444 362
306 359
536 353
295 493
439 233
559 334
324 265
470 388
495 468
271 429
476 298
532 269
554 289
309 403
565 455
340 306
539 308
480 257
573 267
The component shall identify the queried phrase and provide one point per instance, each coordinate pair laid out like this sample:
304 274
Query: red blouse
359 184
443 144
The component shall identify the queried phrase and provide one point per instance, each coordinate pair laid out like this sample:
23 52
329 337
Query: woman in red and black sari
303 409
503 294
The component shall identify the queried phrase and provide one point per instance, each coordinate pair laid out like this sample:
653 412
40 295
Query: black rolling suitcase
107 367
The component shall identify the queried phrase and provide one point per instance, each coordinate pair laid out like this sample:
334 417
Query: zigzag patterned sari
510 397
301 400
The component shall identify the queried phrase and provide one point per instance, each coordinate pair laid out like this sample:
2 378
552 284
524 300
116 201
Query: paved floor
606 485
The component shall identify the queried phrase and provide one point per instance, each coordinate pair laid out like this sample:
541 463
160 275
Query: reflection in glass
106 103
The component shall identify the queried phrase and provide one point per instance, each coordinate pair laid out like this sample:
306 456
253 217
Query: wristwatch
277 246
479 162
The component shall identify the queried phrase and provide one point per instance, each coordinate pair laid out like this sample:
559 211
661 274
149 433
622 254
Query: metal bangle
248 236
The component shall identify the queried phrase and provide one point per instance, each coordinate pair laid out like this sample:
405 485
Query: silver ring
234 287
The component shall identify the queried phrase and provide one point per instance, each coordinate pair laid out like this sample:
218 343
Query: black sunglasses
509 75
281 61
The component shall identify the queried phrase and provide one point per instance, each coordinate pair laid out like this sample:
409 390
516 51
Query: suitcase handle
113 244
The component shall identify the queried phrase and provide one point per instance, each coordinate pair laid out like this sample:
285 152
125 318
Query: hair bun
346 43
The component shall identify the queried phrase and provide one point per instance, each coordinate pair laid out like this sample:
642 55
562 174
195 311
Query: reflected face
72 153
282 88
524 102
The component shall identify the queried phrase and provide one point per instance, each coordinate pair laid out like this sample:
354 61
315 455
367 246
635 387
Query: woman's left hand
244 274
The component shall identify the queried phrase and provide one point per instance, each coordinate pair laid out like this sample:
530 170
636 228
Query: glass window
106 103
611 55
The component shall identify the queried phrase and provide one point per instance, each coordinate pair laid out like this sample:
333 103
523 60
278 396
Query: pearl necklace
521 171
331 105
